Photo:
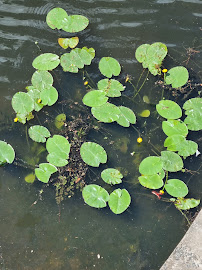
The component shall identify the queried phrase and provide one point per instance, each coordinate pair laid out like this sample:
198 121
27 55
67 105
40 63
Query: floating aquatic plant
112 176
109 66
7 153
39 133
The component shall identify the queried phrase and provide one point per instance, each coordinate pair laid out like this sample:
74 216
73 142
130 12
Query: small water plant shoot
71 145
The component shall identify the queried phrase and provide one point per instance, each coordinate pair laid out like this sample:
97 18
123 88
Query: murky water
34 237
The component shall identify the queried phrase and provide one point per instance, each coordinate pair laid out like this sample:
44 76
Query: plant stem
184 216
141 85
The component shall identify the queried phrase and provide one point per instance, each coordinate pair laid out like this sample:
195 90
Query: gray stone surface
188 253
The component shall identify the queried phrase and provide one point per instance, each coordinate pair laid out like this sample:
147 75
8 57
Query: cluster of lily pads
153 169
42 93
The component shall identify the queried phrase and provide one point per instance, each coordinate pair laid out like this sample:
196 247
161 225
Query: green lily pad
49 96
187 148
38 133
46 61
95 196
151 181
141 52
42 79
177 76
173 142
93 154
7 153
145 113
112 88
95 98
169 109
174 127
176 188
30 178
35 96
150 165
193 111
56 18
172 162
22 103
60 120
186 204
59 146
68 42
112 176
76 59
126 117
119 201
75 23
56 160
43 173
106 113
162 174
109 66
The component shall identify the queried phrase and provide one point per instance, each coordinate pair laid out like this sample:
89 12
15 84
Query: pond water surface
33 236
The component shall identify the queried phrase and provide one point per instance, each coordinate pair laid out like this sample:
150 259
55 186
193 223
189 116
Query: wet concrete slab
188 253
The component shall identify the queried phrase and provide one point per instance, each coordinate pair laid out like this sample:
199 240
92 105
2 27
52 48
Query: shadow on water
31 235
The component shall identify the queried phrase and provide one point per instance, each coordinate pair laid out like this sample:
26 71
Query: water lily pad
151 181
59 146
141 52
119 201
126 117
177 76
109 66
38 133
56 160
174 127
112 176
93 154
112 88
162 174
150 165
106 113
173 142
169 109
7 153
60 120
176 188
187 148
46 61
22 103
68 42
30 178
42 79
75 23
56 18
172 162
186 204
35 96
95 98
193 111
76 59
145 113
43 173
95 196
49 96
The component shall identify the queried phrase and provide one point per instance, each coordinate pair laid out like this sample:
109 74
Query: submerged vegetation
69 154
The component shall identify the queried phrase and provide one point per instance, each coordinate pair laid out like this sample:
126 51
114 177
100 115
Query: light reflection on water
31 235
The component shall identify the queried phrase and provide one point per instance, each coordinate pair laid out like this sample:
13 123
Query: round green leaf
106 113
44 172
95 98
176 188
145 113
95 196
46 61
22 103
109 66
126 117
35 96
7 153
174 127
38 133
112 88
141 52
119 200
42 79
173 142
169 109
186 204
187 148
60 120
49 96
112 176
75 23
56 159
56 18
171 161
68 42
93 154
30 178
162 174
193 111
177 76
59 146
151 181
150 165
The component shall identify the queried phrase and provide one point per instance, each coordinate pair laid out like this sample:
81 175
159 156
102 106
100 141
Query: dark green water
31 236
